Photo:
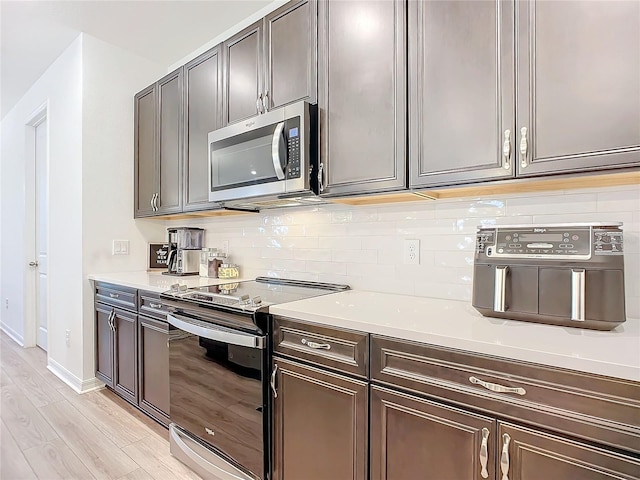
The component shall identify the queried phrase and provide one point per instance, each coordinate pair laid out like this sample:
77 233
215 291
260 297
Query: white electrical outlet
411 252
6 303
67 337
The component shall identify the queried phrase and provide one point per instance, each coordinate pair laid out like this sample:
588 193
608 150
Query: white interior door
41 232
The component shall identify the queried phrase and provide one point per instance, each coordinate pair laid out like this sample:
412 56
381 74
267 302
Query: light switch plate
120 247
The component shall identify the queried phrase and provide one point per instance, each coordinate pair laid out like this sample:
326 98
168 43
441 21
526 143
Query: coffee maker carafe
184 245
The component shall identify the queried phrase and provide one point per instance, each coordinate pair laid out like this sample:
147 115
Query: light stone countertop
446 323
157 282
458 325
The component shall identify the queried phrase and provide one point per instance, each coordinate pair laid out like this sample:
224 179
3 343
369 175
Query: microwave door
245 159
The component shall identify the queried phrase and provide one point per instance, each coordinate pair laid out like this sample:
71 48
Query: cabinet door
578 85
530 455
243 74
104 344
461 98
320 425
362 96
153 368
415 438
145 151
170 143
291 44
202 114
125 379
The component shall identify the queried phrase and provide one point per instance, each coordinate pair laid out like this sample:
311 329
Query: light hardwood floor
50 432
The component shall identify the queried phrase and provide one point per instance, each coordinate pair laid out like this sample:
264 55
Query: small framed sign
158 254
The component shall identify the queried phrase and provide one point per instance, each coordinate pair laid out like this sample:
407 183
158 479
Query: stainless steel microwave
270 156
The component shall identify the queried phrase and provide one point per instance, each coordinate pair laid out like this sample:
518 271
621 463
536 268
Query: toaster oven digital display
547 237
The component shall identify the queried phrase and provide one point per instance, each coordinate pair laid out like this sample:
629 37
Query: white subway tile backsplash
336 268
473 208
363 246
355 256
559 204
611 201
343 243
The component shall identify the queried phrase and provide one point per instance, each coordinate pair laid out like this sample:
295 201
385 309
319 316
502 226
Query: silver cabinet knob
33 264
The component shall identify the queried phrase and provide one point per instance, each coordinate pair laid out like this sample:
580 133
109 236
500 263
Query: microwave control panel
554 243
293 134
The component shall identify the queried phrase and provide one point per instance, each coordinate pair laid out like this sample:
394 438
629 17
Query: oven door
266 155
217 390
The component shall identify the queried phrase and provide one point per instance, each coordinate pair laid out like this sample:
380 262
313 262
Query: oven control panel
550 242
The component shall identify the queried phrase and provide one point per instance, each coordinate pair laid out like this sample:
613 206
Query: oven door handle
214 332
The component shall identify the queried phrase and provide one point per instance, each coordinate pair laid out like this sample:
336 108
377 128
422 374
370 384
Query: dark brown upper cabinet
573 113
202 114
362 96
291 54
578 84
271 63
461 98
158 147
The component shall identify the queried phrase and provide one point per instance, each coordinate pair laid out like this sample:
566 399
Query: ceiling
33 33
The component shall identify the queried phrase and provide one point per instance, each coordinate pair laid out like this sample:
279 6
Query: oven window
242 160
217 394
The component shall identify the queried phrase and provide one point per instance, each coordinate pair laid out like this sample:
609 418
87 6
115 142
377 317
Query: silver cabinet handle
155 305
484 454
275 151
265 101
273 381
156 201
153 197
494 387
114 295
318 346
577 294
500 289
321 178
259 103
33 264
504 458
524 147
506 150
111 320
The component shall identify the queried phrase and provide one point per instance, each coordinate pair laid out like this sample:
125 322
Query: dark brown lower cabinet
116 350
125 336
527 454
153 371
320 424
415 438
104 343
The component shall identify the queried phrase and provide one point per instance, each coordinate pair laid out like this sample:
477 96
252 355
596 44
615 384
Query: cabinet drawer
117 295
149 304
596 408
343 350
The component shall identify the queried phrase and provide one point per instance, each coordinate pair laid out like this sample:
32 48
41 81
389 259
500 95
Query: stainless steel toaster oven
562 274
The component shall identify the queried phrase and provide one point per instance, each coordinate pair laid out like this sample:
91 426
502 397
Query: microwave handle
500 289
275 151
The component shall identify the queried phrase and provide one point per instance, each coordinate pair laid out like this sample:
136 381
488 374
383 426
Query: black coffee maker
184 246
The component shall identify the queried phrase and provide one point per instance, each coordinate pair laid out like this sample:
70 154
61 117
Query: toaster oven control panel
557 242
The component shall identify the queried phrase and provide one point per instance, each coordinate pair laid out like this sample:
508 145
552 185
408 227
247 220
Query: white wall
61 87
89 91
362 246
111 77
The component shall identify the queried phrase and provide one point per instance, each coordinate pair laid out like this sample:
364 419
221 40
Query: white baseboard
15 336
78 385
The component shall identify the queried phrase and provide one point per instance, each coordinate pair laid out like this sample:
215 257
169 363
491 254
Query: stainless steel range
218 370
